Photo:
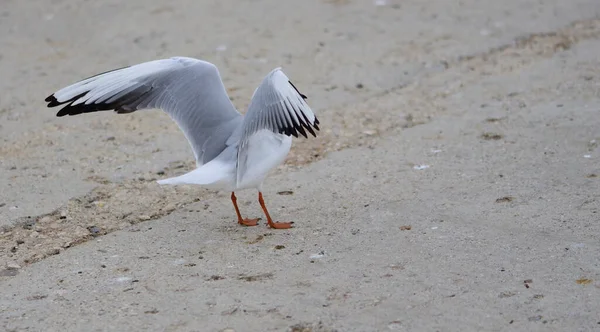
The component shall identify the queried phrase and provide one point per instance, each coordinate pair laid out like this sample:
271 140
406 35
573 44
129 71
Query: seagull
233 151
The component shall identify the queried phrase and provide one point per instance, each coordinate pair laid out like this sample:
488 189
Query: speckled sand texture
454 186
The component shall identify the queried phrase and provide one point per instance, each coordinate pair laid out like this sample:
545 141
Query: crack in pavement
114 206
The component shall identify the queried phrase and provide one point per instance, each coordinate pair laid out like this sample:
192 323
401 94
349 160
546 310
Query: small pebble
45 220
170 208
319 255
12 266
95 231
369 132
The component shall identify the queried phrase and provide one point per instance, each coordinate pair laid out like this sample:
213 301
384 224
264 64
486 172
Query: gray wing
276 106
189 90
279 107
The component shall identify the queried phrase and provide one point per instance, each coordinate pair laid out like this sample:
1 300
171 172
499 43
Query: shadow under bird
232 151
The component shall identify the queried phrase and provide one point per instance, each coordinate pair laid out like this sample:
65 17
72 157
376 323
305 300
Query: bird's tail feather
214 173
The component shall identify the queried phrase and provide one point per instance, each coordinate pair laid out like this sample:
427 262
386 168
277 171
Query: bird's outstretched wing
189 90
279 107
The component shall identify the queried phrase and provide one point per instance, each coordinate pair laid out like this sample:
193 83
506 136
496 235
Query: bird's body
233 151
266 150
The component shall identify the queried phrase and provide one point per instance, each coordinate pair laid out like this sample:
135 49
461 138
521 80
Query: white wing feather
276 106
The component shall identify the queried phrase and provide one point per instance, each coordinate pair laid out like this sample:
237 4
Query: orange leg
242 221
276 225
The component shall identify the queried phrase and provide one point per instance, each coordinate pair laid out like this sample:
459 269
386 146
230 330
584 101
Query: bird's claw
249 222
281 225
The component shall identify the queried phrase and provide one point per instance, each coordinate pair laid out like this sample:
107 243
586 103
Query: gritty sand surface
454 185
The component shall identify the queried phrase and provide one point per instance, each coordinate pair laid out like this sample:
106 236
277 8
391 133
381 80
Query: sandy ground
454 186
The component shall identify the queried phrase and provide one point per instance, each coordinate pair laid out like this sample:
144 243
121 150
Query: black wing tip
301 131
53 102
307 125
89 108
302 128
51 99
301 95
293 128
126 104
70 109
74 110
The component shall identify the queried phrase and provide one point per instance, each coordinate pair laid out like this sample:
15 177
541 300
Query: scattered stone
214 278
310 327
36 297
12 266
256 277
230 311
258 239
420 167
9 272
369 132
169 208
505 199
319 255
395 325
94 230
583 281
506 294
491 136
